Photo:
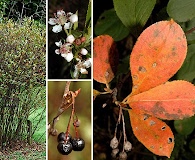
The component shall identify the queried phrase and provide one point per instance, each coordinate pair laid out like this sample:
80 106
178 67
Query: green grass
40 133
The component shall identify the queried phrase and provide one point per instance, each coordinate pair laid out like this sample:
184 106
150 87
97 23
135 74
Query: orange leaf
105 58
172 100
157 55
155 135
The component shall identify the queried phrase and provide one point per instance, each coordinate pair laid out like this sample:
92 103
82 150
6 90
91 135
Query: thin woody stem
190 31
124 132
67 86
72 113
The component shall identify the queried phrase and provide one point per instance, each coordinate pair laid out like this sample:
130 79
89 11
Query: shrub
22 68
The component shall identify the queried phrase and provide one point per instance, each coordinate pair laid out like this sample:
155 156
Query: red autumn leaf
172 100
105 58
157 55
154 134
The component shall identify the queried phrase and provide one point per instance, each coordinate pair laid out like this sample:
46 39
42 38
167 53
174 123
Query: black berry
64 148
64 137
78 144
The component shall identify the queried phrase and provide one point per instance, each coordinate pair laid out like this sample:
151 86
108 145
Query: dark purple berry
64 148
78 144
64 137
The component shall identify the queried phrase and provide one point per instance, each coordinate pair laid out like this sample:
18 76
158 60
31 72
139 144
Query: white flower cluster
62 19
65 21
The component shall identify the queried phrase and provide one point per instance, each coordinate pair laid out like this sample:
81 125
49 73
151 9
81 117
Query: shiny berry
64 148
78 144
64 137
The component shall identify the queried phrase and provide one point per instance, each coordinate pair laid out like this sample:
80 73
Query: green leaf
185 126
181 10
190 36
134 13
88 16
108 23
187 71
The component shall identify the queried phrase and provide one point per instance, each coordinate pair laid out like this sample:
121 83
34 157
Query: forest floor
24 151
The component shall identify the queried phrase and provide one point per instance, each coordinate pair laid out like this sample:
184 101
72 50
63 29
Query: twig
65 104
190 31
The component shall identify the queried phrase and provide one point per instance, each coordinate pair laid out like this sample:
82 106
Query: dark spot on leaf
154 64
172 116
135 86
135 77
157 109
174 48
152 123
156 33
142 69
179 111
146 117
174 53
179 38
152 147
170 140
193 101
163 128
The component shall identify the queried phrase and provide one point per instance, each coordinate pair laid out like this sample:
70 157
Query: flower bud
73 18
69 57
84 51
70 39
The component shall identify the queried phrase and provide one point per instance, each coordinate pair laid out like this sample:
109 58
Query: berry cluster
114 143
66 143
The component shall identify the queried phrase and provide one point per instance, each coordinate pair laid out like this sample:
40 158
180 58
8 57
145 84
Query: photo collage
97 80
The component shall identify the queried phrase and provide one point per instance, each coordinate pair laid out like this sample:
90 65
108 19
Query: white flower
70 39
65 50
59 44
84 51
69 56
61 19
52 21
73 18
83 71
87 63
81 66
67 25
57 28
60 13
76 72
57 51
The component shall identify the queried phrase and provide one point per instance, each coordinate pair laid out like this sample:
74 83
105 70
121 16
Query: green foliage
185 126
190 36
38 118
105 24
22 75
23 53
181 10
187 71
88 16
134 13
